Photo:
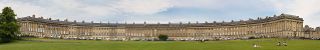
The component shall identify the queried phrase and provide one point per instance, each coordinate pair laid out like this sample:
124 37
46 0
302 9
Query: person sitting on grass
284 44
279 44
255 45
202 40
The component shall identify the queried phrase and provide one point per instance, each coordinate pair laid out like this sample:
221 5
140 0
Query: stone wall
282 26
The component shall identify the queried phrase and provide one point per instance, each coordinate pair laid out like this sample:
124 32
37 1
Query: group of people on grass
282 44
278 44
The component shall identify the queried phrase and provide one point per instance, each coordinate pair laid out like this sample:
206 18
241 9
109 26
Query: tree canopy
9 28
163 37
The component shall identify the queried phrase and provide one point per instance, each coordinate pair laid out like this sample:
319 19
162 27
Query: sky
164 11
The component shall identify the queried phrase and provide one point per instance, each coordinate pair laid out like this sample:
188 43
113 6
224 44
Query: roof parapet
250 21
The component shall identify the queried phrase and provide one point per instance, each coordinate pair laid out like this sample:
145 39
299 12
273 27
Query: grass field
266 44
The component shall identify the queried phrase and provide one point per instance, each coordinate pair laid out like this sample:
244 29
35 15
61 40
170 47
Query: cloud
196 3
21 9
80 10
142 7
307 9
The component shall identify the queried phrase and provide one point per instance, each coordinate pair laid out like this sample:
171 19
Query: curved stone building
282 26
311 32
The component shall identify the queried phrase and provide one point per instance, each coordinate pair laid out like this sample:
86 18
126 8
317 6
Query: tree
9 27
163 37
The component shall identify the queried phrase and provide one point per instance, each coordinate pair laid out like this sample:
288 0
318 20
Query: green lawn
266 44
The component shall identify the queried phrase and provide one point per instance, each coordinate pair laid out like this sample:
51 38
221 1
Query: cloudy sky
164 11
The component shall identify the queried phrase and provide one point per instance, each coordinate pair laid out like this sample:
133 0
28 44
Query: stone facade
281 26
313 33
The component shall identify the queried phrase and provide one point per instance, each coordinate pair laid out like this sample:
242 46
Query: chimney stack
197 22
66 20
34 16
74 21
83 21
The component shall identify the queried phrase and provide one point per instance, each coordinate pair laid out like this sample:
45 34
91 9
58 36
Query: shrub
163 37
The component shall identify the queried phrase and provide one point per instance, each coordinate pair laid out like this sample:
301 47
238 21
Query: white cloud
307 9
197 3
21 9
142 7
75 9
